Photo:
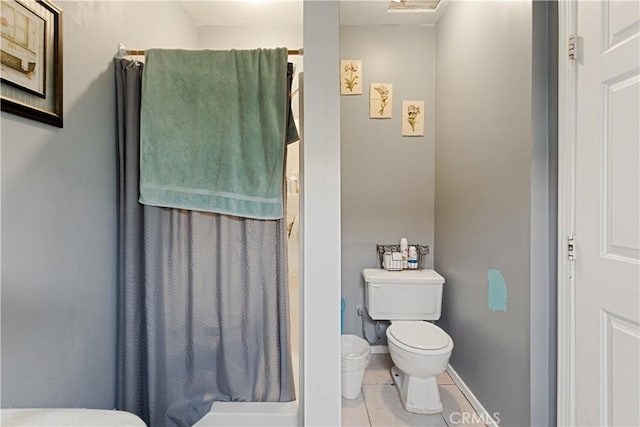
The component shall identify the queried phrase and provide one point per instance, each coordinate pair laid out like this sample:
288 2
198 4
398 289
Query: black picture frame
32 39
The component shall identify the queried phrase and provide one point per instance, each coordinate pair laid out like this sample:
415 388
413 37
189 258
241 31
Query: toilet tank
403 295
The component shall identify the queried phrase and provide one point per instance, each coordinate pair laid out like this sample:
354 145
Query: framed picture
350 77
31 60
380 100
413 118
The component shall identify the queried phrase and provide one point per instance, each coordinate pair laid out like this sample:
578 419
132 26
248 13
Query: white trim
567 103
320 386
258 414
379 349
484 414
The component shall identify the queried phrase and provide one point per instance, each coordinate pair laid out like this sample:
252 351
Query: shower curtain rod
141 52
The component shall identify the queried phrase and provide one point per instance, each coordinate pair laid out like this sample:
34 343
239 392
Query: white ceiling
289 13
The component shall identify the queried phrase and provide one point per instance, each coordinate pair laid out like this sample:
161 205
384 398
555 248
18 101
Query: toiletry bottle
412 261
404 249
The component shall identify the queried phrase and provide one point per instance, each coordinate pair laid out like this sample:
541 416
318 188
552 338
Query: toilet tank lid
417 277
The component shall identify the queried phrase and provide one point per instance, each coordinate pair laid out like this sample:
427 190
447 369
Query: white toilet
419 349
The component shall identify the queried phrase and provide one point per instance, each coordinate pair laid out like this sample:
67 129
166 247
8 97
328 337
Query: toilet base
418 395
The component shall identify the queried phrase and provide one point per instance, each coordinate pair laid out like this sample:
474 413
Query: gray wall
250 37
59 230
387 180
483 195
494 202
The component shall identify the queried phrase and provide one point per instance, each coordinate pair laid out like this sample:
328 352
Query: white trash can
355 358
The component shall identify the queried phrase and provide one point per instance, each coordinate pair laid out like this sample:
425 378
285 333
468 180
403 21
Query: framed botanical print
380 100
350 77
413 118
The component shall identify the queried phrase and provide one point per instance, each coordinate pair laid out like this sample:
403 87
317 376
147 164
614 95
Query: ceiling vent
413 5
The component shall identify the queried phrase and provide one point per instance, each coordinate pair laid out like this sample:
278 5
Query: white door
607 214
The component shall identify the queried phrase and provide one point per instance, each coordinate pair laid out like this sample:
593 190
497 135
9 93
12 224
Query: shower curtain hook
122 51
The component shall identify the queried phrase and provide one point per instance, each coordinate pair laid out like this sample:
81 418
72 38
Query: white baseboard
379 349
486 416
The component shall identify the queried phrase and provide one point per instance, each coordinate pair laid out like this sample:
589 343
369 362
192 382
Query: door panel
620 169
619 344
607 214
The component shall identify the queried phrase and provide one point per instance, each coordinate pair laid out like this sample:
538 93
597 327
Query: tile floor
379 404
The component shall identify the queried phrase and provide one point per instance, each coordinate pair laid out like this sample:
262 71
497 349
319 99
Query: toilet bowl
420 351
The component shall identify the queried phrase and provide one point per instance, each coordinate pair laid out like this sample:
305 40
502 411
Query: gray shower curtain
202 298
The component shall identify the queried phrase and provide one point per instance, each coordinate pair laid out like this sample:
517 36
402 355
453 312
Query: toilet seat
419 337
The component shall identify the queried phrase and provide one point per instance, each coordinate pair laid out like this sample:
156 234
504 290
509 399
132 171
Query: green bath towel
213 130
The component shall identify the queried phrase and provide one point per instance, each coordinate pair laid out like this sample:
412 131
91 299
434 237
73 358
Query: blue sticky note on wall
497 291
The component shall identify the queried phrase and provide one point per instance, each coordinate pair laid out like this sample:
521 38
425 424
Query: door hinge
571 247
572 47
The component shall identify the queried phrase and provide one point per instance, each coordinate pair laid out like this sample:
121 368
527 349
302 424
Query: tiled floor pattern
379 404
